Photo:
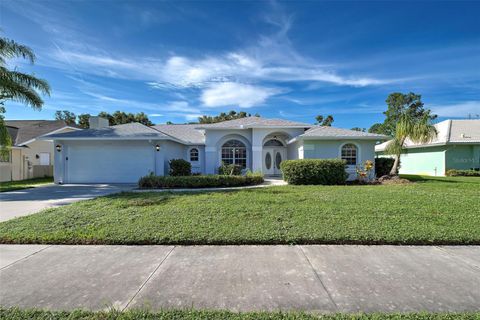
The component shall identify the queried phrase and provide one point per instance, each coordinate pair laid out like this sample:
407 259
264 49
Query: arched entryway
274 152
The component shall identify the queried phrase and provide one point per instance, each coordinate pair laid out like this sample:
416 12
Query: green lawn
23 184
19 314
430 211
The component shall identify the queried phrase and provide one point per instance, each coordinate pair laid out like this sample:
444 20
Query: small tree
66 116
326 122
84 120
418 130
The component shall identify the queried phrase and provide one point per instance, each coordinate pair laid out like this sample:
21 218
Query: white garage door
108 162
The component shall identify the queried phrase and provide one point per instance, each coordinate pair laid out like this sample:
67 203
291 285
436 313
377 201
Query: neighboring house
457 146
124 153
30 157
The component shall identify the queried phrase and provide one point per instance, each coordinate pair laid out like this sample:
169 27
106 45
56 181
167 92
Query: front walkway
241 278
27 201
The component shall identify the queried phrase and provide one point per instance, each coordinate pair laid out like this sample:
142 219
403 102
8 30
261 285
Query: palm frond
423 131
12 49
17 92
24 80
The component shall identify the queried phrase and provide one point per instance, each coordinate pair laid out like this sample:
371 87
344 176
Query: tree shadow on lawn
426 179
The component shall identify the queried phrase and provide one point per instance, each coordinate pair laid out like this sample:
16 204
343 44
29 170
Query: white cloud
231 93
155 115
462 109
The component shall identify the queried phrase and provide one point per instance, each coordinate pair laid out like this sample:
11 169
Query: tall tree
377 128
326 122
409 126
66 116
17 86
398 105
359 129
231 115
120 117
84 120
143 119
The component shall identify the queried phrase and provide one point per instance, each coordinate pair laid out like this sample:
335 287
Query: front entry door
272 157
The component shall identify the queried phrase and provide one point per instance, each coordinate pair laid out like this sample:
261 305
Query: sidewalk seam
26 257
458 258
319 279
148 278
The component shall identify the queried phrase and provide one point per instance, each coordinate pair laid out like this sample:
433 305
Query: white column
210 160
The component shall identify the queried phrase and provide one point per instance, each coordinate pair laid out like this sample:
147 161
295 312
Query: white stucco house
124 153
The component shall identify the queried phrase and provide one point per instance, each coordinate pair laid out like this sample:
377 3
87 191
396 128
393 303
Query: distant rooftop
22 131
448 132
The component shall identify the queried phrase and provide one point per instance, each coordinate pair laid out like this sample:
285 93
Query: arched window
193 154
273 143
234 152
349 154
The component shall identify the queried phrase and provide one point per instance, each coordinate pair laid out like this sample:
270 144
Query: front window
194 155
349 154
234 152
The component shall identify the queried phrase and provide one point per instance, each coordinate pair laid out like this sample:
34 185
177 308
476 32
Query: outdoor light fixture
157 147
58 147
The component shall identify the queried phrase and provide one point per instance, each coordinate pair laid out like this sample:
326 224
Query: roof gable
253 122
23 131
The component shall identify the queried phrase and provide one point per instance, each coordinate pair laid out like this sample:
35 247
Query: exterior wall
12 170
253 139
214 139
197 166
25 161
172 150
423 161
331 149
462 157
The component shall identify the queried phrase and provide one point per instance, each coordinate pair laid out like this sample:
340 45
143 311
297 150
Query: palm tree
416 130
17 86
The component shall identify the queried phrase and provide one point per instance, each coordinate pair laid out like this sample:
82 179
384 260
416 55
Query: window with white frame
234 152
194 155
349 154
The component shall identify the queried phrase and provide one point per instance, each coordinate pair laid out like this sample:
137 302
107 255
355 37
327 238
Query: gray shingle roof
331 132
123 131
252 122
464 131
448 131
184 132
22 131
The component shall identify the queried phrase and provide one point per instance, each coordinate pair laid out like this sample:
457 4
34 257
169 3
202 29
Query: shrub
206 181
180 167
314 171
230 169
462 173
383 166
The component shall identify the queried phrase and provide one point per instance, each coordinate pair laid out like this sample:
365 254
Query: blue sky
181 59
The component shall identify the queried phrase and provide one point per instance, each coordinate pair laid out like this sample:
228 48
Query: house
29 156
124 153
457 146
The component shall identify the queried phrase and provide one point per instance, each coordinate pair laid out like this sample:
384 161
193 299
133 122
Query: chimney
98 122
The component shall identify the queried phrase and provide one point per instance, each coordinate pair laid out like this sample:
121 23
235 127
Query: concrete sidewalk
241 278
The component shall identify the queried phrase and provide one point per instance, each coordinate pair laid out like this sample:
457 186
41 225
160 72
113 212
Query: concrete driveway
27 201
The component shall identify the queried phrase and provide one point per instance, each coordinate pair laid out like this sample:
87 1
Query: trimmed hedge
206 181
314 171
383 166
462 173
180 167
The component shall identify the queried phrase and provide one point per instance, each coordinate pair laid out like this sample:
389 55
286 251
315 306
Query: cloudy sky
181 59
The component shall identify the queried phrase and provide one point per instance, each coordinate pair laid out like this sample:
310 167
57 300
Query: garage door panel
107 163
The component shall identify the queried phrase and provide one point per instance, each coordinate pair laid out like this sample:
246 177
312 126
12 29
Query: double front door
272 157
